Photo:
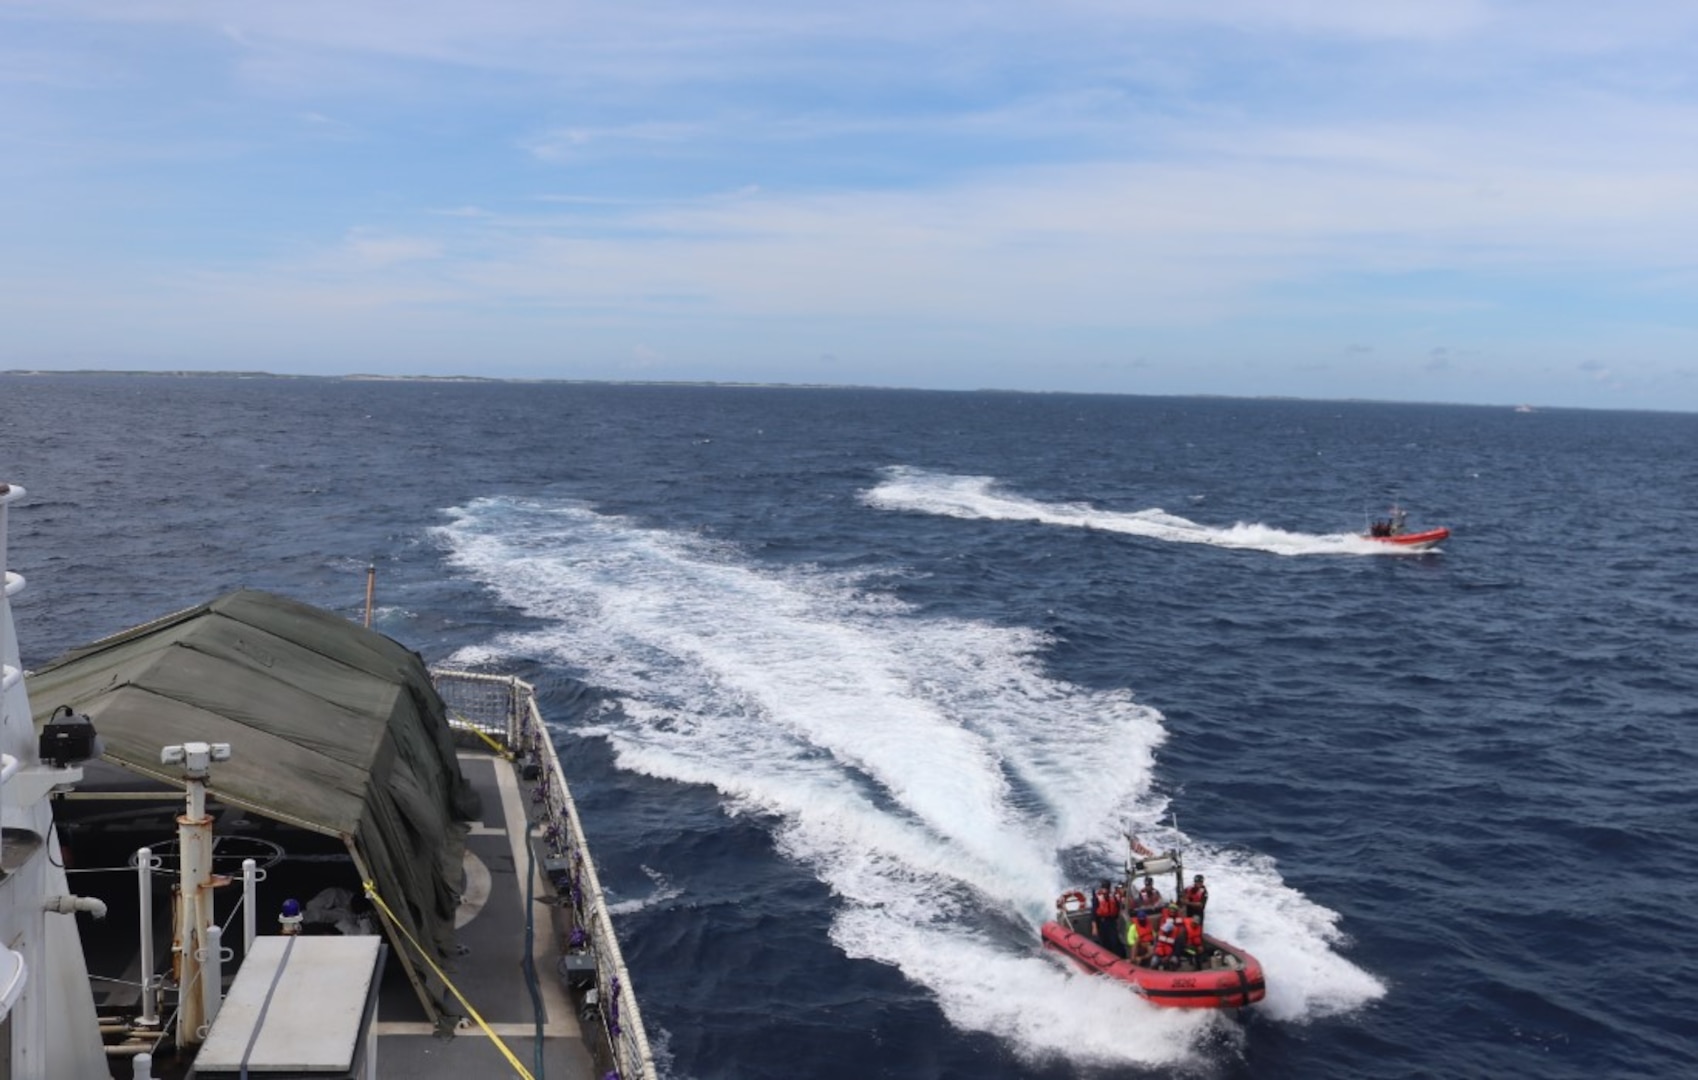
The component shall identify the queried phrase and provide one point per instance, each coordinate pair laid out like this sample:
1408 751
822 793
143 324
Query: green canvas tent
333 727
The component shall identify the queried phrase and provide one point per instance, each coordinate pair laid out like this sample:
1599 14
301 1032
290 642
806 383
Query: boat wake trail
919 491
926 770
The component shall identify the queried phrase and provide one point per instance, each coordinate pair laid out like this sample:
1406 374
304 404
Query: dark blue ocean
851 683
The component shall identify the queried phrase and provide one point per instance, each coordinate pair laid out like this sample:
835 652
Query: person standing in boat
1196 899
1149 897
1106 921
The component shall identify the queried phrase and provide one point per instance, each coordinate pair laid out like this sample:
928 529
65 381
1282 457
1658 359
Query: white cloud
1131 167
566 144
365 249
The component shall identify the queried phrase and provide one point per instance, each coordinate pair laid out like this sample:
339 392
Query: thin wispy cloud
1261 196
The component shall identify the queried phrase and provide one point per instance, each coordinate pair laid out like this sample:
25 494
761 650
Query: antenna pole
371 589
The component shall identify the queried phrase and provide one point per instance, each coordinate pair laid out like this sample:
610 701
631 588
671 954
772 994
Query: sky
1475 201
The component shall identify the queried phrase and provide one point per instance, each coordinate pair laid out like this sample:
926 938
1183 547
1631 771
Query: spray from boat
925 769
982 498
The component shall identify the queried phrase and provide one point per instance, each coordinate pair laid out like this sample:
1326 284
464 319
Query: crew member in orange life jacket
1166 937
1139 936
1149 897
1191 939
1196 898
1106 921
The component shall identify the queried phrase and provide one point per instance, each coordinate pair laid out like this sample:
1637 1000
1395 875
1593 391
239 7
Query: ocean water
850 684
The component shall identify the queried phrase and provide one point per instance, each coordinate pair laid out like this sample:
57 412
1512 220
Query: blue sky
1443 200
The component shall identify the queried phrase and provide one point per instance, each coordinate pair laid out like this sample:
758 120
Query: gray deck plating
490 972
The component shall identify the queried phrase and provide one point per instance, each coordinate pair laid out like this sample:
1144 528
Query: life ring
1071 901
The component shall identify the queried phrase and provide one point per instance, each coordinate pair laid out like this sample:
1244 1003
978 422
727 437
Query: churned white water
924 769
979 497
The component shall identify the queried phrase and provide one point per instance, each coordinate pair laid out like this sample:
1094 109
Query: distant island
257 375
725 384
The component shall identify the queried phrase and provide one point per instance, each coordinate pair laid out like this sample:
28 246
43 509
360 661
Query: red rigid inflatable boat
1420 541
1394 530
1226 977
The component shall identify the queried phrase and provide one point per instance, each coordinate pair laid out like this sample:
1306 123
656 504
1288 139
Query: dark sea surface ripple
849 683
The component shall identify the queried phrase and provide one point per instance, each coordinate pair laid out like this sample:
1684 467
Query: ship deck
490 973
558 1032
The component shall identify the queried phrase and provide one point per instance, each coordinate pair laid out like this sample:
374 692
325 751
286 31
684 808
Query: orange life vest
1164 940
1197 895
1193 932
1107 907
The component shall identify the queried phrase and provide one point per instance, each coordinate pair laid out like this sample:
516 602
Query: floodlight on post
194 908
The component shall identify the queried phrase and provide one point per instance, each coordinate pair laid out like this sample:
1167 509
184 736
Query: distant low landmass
253 375
358 377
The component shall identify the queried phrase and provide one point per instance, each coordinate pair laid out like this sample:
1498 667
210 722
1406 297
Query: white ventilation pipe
144 886
70 905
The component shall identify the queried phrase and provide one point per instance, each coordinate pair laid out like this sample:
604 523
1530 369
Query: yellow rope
371 891
482 734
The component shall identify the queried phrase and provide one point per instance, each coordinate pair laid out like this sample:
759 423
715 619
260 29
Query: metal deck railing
503 709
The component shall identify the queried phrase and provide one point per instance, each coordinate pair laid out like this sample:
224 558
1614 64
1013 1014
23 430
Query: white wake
949 495
926 770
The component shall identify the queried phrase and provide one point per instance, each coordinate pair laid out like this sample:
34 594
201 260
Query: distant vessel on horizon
1525 408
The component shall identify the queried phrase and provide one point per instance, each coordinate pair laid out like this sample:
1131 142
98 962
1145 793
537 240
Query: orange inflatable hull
1420 541
1236 982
